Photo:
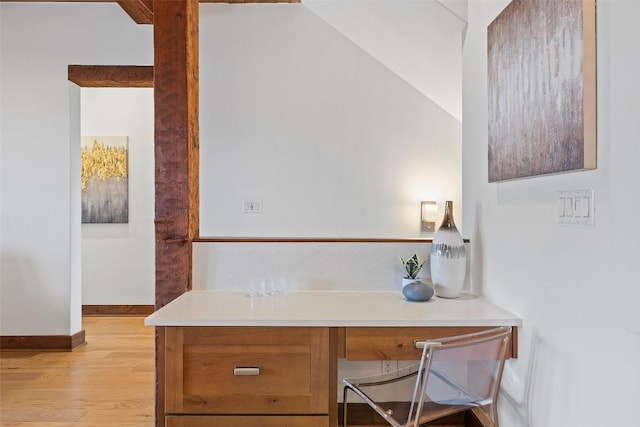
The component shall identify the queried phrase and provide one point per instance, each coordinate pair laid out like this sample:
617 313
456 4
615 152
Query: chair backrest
463 370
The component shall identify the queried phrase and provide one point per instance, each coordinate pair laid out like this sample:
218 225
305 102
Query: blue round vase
417 291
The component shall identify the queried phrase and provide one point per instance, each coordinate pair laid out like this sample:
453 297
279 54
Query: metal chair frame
423 371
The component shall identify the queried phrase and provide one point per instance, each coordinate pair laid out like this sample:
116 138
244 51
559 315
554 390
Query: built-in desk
226 359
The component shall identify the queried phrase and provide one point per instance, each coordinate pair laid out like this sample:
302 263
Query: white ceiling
419 40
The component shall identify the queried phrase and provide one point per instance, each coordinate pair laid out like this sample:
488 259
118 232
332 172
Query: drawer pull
246 371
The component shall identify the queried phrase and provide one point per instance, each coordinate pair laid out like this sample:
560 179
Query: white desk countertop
328 308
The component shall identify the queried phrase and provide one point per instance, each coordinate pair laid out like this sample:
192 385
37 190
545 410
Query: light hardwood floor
108 382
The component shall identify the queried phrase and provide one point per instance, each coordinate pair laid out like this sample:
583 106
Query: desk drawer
247 370
395 343
246 421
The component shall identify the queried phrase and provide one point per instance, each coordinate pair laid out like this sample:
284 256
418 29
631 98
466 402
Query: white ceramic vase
448 257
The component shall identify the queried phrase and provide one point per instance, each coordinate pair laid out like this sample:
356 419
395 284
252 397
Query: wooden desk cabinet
235 374
293 342
272 376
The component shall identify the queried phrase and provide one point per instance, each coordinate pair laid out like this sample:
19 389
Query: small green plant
412 266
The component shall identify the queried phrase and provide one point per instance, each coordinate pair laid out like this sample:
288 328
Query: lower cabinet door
246 421
247 370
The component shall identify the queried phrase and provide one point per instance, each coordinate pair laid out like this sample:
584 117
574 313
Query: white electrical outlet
389 366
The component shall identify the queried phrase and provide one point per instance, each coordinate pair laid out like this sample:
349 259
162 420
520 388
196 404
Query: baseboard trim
42 342
117 310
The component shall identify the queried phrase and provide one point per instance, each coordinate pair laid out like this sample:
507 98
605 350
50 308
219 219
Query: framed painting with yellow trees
104 179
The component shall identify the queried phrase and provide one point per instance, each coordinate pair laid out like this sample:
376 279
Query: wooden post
176 158
176 144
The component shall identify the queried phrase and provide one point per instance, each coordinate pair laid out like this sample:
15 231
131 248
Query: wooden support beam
141 11
176 89
176 144
111 75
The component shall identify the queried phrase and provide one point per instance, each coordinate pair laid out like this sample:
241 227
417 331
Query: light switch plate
251 206
576 208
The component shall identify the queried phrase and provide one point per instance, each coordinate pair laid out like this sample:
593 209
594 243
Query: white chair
454 374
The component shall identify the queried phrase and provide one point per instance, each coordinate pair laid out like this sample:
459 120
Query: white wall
40 226
576 288
118 260
39 168
304 266
334 143
420 41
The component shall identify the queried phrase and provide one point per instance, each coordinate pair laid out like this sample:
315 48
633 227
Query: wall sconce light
428 213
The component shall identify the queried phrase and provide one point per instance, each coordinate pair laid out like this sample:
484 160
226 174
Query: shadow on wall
107 231
517 383
19 277
476 267
533 382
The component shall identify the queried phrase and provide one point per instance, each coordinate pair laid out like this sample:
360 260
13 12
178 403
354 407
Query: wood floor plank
110 380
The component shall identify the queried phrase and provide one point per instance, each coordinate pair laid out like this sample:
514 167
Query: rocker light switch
576 208
568 207
560 207
251 206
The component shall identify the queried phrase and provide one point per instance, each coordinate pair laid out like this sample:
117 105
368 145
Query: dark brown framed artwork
542 88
